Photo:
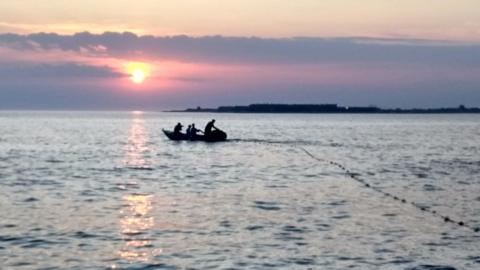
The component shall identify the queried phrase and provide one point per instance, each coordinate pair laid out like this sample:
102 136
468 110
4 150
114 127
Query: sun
138 71
138 76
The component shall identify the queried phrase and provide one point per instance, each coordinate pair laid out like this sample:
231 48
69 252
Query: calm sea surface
107 190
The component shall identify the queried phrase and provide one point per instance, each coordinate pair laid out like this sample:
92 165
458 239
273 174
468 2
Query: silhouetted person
209 127
177 129
193 131
189 130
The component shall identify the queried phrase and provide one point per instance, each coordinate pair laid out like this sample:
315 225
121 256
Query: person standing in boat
189 131
208 128
178 128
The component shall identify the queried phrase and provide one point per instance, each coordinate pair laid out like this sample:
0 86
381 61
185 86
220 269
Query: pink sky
357 52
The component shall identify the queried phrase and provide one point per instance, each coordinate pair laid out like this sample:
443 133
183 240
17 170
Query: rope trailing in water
355 177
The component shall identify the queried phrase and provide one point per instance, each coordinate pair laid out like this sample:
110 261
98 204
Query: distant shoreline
326 109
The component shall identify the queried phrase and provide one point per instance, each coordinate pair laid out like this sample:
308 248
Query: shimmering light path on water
90 190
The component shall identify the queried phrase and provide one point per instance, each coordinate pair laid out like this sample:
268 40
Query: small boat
215 136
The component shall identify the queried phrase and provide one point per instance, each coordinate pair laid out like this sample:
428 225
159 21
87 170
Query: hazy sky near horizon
167 54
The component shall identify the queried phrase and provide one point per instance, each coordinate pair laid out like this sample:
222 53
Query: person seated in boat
193 131
208 128
178 128
189 131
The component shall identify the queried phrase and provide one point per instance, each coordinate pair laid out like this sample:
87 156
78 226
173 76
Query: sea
107 190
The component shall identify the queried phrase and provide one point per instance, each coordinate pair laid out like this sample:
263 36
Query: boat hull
215 136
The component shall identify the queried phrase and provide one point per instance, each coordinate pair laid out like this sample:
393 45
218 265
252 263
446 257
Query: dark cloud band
61 70
220 49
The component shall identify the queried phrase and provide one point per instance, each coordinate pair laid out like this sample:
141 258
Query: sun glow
138 71
138 76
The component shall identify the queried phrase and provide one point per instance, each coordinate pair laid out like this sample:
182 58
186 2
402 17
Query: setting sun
138 71
138 76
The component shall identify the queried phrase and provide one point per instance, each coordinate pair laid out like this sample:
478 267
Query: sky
155 55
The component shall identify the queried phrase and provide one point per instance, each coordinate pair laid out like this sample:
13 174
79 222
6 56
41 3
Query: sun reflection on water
136 220
137 146
135 225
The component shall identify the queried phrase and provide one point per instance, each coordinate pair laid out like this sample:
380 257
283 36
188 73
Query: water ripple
106 190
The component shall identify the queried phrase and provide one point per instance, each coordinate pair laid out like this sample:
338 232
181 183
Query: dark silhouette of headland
324 108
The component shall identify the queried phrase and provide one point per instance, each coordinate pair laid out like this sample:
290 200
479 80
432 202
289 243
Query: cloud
231 50
62 70
191 79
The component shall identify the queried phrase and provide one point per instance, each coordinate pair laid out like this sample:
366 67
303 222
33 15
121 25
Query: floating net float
355 177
